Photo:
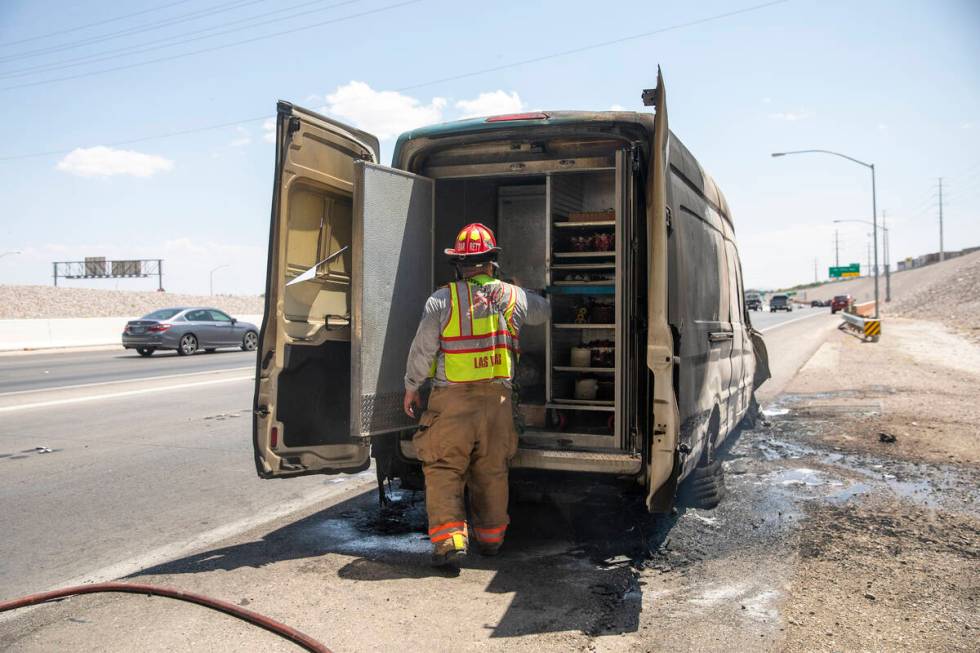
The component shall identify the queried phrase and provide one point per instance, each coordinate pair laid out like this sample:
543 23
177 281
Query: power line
167 5
147 27
480 72
169 41
213 48
594 46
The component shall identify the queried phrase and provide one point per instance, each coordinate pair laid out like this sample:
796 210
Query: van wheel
705 487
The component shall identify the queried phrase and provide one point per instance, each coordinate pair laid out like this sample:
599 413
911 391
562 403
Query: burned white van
648 363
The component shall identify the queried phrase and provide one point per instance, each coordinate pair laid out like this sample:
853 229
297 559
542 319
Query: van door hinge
670 225
262 411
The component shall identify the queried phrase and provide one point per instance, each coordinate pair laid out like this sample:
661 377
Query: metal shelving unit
568 193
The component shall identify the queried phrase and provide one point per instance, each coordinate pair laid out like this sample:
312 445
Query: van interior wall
319 224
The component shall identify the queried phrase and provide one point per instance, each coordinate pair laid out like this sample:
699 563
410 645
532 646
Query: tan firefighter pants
466 439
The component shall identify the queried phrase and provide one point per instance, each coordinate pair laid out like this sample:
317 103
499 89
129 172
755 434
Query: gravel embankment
26 302
953 299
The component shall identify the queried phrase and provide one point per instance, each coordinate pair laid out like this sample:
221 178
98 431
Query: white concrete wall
71 332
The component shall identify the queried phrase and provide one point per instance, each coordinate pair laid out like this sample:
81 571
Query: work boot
450 551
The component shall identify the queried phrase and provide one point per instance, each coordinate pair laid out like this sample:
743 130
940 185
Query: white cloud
967 125
102 161
882 127
491 103
243 137
617 107
791 116
269 130
385 114
767 100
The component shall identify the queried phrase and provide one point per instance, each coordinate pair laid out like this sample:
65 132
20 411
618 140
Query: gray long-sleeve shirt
528 309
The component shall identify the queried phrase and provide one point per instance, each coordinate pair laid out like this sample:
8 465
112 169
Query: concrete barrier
16 335
864 309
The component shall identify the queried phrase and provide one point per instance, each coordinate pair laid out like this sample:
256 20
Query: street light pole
887 251
874 202
211 282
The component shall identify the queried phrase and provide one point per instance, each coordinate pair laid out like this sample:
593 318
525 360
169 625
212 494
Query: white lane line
118 381
116 395
782 324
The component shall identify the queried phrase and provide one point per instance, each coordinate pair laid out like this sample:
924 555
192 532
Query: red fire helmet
474 240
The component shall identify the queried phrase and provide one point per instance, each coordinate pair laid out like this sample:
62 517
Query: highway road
36 371
155 459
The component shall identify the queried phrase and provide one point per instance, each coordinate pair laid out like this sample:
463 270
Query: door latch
720 336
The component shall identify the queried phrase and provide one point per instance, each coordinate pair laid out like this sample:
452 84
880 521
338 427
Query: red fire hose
254 618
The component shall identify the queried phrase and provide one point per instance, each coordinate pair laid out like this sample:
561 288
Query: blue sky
894 83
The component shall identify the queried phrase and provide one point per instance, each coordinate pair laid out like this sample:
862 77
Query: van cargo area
562 234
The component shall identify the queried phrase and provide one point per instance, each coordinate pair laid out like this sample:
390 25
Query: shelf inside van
605 282
584 254
582 404
584 326
586 225
596 265
582 290
589 370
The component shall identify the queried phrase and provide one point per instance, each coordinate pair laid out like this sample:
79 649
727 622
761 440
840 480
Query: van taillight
274 437
518 116
158 328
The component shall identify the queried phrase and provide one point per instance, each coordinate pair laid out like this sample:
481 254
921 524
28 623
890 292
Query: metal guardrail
868 328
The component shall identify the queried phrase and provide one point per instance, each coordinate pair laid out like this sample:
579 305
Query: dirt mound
23 302
953 298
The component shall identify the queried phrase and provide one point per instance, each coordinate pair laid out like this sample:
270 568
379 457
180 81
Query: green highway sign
852 270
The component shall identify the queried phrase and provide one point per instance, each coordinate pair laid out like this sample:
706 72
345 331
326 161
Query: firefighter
467 344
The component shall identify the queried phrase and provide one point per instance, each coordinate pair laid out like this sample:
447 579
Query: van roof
490 127
629 125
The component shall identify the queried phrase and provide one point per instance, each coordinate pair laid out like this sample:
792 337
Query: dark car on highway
188 330
840 303
753 301
780 303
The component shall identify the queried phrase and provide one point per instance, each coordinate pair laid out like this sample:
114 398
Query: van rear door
350 255
661 447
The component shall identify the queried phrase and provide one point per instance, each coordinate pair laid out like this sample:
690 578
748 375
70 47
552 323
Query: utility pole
942 252
888 260
869 259
837 248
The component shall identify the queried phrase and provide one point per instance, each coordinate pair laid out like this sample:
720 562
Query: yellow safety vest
479 343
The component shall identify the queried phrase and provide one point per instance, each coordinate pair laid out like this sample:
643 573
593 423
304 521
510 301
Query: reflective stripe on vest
478 343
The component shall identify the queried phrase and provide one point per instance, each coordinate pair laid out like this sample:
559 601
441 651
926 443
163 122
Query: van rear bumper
623 464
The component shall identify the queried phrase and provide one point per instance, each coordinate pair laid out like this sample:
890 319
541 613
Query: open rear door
662 443
301 422
393 258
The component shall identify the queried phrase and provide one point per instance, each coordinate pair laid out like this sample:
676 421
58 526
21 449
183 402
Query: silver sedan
188 330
